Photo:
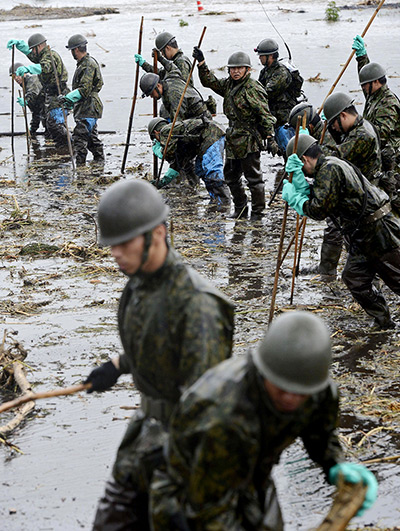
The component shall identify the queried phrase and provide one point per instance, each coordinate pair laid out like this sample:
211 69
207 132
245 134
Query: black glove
272 146
198 54
103 377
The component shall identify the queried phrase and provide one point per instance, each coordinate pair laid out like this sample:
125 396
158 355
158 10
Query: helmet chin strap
147 243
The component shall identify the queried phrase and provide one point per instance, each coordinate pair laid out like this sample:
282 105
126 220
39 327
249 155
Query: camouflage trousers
250 167
85 138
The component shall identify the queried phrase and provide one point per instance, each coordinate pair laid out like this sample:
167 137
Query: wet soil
59 290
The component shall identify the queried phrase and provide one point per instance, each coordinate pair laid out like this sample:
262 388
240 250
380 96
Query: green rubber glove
303 131
21 101
31 69
73 97
359 46
21 45
139 59
170 174
356 473
293 198
157 149
295 165
322 116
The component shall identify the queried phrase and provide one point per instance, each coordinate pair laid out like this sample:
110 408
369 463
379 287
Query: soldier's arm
208 79
325 194
385 120
362 61
258 102
32 90
85 85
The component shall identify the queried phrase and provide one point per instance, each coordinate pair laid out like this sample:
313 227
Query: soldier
363 214
43 58
34 98
283 86
173 325
203 140
314 123
250 123
233 424
84 99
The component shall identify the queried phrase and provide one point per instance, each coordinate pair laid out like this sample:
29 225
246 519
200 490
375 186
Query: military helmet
154 123
299 110
148 83
295 353
75 41
304 142
16 66
335 104
371 72
239 59
163 39
267 47
36 39
128 209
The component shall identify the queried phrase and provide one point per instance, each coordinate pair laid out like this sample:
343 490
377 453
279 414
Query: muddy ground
59 291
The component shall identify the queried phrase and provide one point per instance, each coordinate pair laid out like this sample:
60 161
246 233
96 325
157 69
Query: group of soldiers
47 95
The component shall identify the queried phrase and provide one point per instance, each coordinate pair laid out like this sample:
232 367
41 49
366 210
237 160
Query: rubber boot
257 201
330 255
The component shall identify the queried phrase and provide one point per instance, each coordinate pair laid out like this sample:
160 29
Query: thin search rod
24 110
12 96
155 112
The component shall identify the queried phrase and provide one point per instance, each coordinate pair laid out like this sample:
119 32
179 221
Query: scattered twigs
23 384
381 460
135 91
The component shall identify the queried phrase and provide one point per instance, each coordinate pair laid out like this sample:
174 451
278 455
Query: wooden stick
351 55
155 112
24 385
47 394
291 243
285 212
12 97
28 135
135 91
179 105
53 65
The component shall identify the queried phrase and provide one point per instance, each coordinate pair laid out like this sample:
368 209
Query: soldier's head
77 44
268 51
36 43
18 79
301 109
155 126
239 66
294 359
131 216
166 44
372 77
308 151
340 112
150 85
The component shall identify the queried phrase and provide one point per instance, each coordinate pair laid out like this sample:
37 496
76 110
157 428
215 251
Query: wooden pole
135 90
351 55
12 96
278 261
179 105
155 112
28 136
47 394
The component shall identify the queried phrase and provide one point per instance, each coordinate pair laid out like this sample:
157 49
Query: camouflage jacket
47 77
276 79
89 81
34 96
182 62
338 192
225 437
246 107
193 105
190 138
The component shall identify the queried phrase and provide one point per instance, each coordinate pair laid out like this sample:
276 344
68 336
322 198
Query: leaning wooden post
135 90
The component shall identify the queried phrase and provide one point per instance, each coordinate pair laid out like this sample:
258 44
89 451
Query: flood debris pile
25 11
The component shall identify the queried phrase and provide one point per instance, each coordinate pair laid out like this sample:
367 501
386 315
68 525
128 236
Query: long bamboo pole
28 136
135 91
12 96
155 112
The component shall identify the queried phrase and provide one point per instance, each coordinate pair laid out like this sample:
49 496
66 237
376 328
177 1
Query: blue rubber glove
359 46
21 45
303 131
139 59
293 198
21 101
356 473
170 174
31 69
157 149
294 165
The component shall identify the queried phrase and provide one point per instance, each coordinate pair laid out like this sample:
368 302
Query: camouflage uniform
203 140
250 121
173 326
34 99
374 245
276 79
225 437
54 115
89 81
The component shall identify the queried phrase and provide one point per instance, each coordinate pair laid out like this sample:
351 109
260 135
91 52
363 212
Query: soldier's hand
103 377
198 54
139 59
272 146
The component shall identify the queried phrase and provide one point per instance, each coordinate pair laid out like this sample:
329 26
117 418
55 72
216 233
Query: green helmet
299 110
371 72
148 83
36 39
335 104
128 209
239 59
163 39
154 123
304 142
75 41
295 353
16 66
267 47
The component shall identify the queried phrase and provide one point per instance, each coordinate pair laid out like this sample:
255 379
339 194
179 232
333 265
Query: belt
157 408
378 214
